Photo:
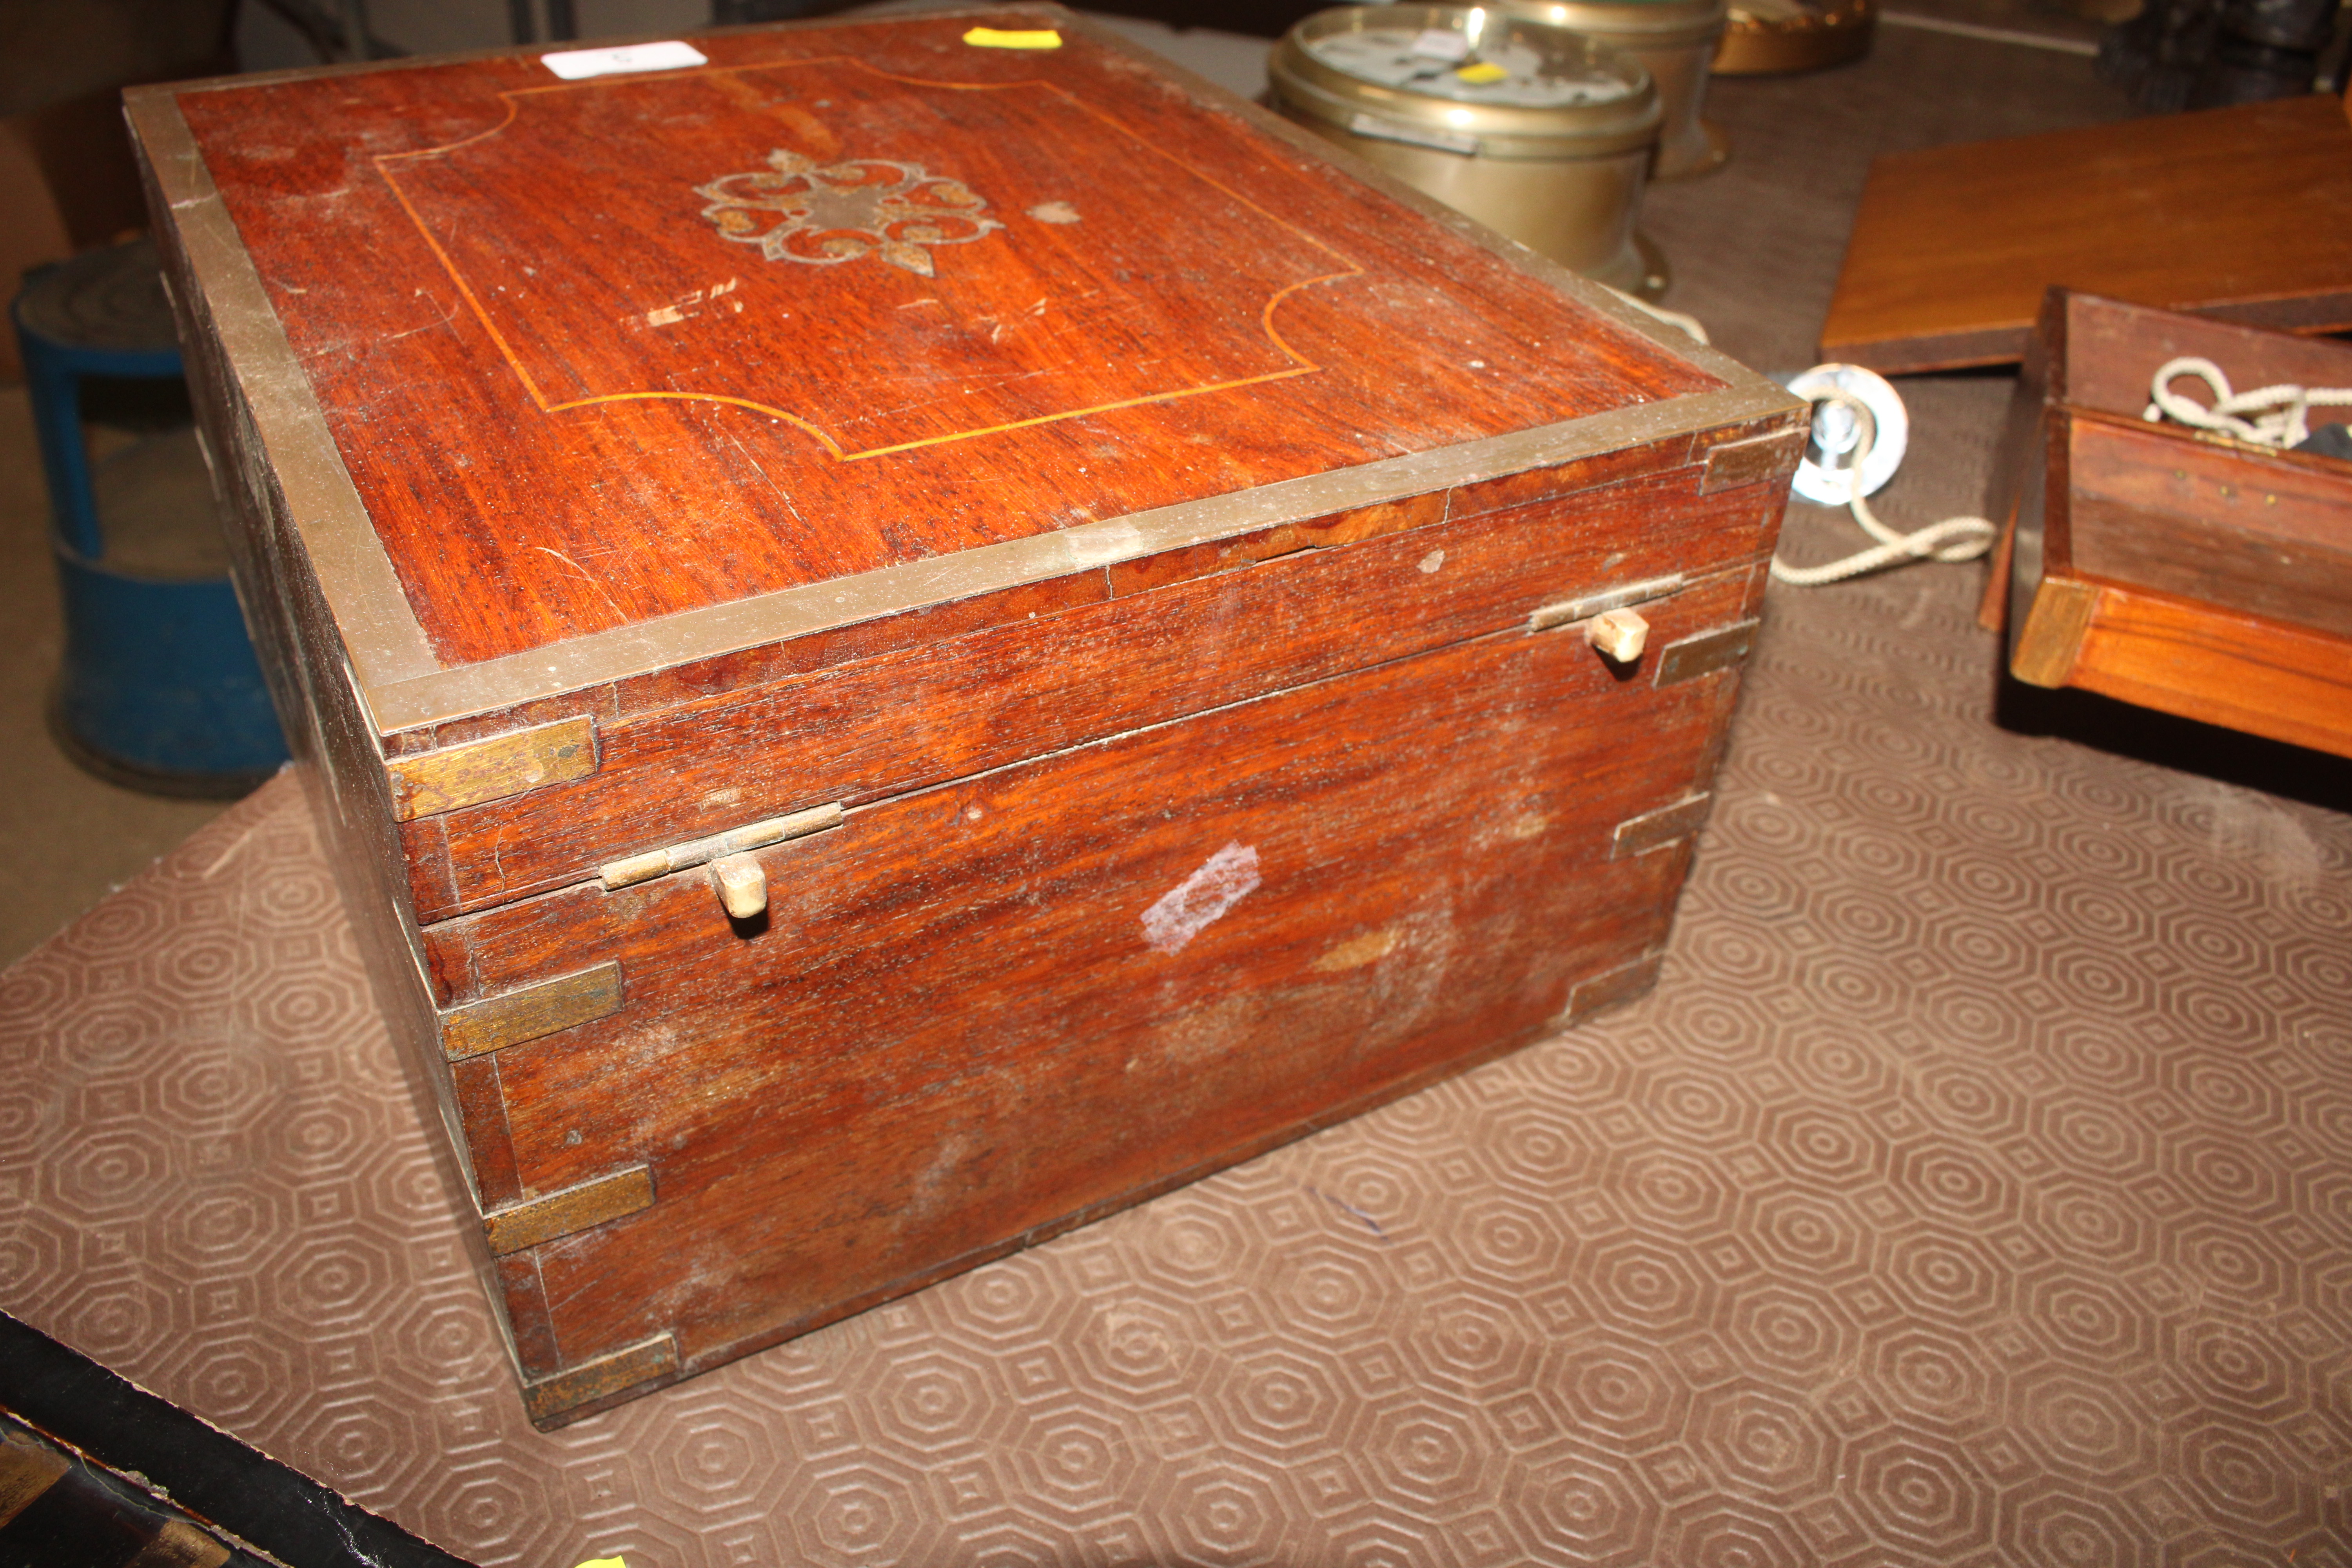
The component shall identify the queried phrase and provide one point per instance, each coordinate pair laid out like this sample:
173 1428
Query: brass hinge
655 863
429 783
529 1012
594 1202
1585 606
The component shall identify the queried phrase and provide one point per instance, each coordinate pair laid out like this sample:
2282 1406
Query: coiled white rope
1955 539
2283 426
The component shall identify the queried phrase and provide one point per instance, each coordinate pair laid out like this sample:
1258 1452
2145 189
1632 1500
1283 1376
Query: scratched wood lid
567 379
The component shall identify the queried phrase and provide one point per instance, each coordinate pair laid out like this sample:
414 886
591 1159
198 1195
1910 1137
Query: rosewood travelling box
904 642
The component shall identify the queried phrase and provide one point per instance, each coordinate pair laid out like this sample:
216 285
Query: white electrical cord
2284 426
1955 539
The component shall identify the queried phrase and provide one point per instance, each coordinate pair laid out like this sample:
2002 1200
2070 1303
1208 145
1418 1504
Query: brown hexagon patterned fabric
1976 1188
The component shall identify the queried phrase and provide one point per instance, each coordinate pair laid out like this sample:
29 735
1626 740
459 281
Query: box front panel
975 1013
1186 631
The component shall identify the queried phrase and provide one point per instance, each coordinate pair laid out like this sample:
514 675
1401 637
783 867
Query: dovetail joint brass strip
429 783
1738 463
1610 987
611 1196
1706 653
2052 638
647 1361
1653 829
531 1012
1584 608
655 863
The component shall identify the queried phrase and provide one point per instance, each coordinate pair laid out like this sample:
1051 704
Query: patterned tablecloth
1977 1186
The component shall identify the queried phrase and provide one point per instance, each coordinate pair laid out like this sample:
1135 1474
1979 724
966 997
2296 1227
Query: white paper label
1440 44
670 55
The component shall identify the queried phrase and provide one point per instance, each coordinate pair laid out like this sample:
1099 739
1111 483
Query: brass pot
1766 37
1528 128
1675 40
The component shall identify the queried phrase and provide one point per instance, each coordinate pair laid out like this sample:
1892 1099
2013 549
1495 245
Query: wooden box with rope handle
912 630
2174 547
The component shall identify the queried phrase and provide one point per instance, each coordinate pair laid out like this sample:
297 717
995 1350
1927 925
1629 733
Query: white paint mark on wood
1054 212
1200 900
1433 561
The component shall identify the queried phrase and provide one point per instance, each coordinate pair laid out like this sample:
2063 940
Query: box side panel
2245 530
1188 630
974 1014
335 745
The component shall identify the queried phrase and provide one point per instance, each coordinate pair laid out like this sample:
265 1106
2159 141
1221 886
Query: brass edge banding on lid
380 630
690 634
532 1012
549 1397
591 1202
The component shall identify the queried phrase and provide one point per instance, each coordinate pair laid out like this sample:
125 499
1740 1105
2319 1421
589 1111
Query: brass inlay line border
1300 365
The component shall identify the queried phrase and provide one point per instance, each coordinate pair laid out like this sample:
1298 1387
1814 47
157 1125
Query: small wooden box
1107 575
2168 567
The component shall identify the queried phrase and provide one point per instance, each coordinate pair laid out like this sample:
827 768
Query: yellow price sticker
1482 73
606 1562
995 39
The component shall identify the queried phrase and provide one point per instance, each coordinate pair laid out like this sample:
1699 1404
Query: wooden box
2169 567
1109 576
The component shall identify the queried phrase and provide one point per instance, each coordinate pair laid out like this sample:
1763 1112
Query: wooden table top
2242 213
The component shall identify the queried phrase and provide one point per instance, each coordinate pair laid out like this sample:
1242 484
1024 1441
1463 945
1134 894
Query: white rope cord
2284 426
1953 539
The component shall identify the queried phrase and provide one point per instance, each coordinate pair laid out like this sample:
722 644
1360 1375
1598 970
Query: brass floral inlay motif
796 210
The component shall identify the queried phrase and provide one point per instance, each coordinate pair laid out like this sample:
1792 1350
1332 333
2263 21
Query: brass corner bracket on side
426 784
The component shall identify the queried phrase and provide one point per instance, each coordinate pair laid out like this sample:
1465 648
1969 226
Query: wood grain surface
2239 528
918 716
2243 213
571 401
2218 666
940 1040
